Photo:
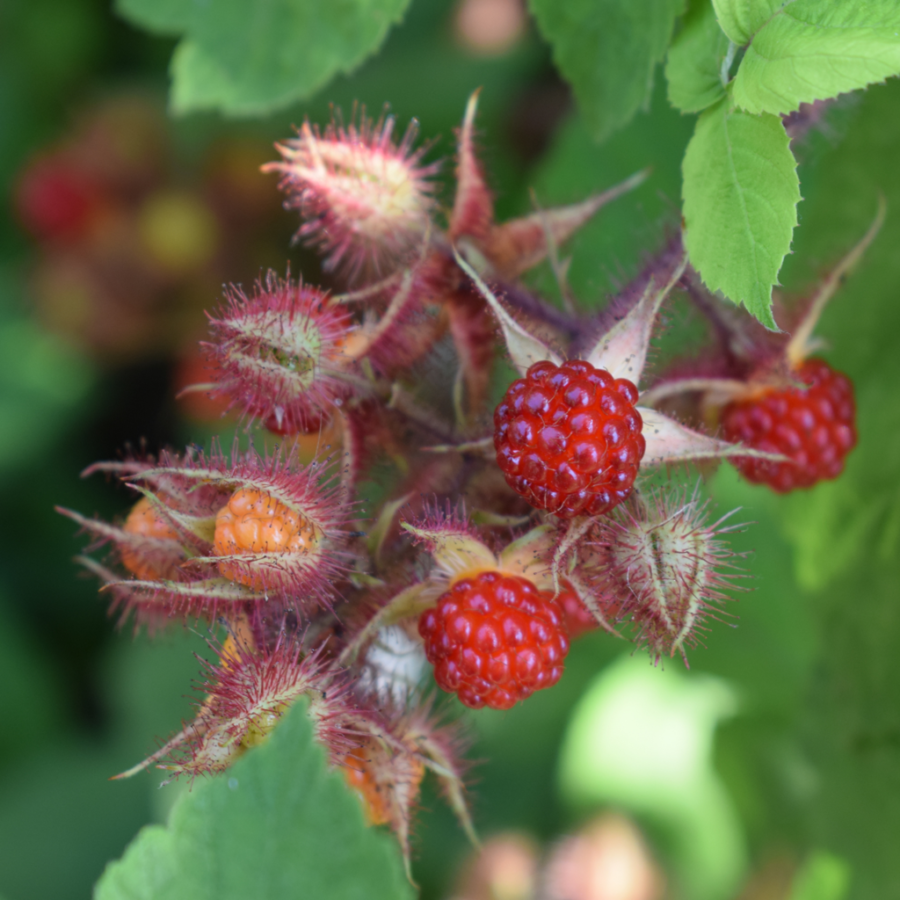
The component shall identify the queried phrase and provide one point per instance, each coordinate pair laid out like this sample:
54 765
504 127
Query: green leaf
248 58
277 824
694 66
200 82
740 204
741 19
608 50
160 16
815 49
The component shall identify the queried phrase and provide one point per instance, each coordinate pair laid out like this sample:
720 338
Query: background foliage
803 755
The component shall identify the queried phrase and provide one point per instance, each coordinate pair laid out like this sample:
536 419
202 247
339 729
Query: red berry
568 438
55 200
494 639
814 426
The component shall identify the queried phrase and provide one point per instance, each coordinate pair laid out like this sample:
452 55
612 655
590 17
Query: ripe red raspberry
494 639
568 438
814 426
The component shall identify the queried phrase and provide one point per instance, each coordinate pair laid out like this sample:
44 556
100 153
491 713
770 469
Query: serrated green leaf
740 204
279 52
608 50
278 824
693 68
816 49
741 19
249 58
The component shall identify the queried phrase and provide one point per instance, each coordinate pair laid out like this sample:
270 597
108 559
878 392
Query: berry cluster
491 550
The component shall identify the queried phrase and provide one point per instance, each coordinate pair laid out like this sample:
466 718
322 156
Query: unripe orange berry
253 524
361 772
145 521
358 772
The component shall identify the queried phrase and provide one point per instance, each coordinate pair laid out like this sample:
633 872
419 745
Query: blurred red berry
568 438
814 426
54 200
494 639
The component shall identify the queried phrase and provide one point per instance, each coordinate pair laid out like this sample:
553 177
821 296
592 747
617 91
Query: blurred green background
777 753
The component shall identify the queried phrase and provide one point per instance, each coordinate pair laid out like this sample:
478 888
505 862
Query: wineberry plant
571 493
508 529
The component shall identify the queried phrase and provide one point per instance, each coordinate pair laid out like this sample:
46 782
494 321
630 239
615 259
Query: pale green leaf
741 19
815 49
277 824
694 65
740 204
608 50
